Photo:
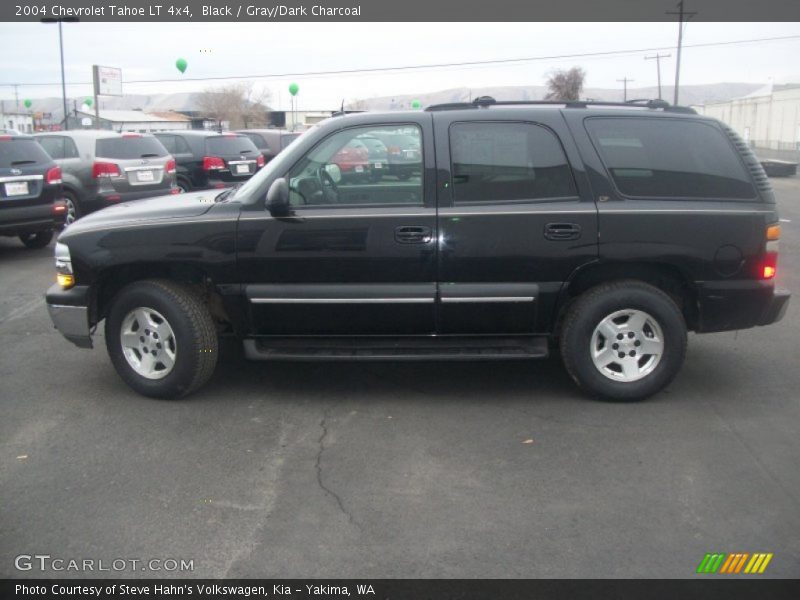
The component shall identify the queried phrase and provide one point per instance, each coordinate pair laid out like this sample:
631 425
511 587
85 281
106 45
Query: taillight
213 163
5 138
53 176
394 150
260 160
770 265
104 169
171 167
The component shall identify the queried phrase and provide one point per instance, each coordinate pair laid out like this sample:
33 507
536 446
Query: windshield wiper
227 194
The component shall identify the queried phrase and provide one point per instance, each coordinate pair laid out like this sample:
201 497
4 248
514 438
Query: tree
240 104
565 85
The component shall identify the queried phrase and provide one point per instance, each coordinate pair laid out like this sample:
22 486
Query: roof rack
487 101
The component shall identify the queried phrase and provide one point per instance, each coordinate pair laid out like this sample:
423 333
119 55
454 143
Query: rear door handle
562 231
412 234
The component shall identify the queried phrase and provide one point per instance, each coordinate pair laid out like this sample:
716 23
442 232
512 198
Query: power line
431 65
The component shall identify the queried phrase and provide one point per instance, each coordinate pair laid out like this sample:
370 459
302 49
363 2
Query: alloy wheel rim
148 343
627 345
70 218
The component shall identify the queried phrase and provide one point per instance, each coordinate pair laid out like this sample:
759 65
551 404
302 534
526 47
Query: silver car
101 168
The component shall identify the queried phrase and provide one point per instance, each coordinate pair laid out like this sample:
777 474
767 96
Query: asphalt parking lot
398 470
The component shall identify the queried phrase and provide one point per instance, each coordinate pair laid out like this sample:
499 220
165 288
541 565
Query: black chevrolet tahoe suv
601 231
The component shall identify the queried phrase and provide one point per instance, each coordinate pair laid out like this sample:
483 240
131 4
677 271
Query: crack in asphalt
318 466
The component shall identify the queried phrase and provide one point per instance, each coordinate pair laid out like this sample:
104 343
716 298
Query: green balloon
88 102
416 104
181 64
293 89
28 103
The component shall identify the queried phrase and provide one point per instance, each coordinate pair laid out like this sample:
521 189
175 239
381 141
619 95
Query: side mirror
278 197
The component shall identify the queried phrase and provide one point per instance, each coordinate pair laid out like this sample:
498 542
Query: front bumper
69 311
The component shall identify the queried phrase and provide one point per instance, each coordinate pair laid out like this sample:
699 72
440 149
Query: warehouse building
767 119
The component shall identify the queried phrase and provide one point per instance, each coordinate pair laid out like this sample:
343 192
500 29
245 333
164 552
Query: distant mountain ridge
189 101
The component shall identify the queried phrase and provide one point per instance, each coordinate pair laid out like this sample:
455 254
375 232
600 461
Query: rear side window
169 142
22 152
227 145
502 162
124 148
54 146
257 140
669 158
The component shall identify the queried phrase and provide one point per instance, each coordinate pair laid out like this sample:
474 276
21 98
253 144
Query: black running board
396 348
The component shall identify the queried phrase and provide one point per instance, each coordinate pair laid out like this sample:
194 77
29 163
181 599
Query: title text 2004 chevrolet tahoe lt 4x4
608 231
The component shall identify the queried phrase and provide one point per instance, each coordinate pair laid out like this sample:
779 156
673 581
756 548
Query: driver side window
375 165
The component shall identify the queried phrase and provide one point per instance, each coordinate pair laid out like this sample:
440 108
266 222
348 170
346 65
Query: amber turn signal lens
65 280
773 233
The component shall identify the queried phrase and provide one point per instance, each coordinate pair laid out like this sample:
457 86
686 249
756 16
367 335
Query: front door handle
562 231
412 234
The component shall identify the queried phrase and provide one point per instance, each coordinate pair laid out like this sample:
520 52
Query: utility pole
658 58
682 16
16 97
625 81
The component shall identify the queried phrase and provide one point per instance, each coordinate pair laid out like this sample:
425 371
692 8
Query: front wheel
161 338
623 340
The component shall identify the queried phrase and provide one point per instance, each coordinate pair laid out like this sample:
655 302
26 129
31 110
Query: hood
177 206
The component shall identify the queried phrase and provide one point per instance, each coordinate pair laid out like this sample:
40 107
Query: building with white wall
21 122
768 119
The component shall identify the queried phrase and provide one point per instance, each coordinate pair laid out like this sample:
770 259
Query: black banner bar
396 10
711 588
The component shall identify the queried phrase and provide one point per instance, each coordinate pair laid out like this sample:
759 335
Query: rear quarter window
669 158
22 152
124 148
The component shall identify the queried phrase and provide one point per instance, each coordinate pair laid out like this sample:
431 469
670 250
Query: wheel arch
675 281
113 279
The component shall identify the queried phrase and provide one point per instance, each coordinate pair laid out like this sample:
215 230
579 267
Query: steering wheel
329 188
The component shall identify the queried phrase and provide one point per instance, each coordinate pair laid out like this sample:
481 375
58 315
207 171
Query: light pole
658 58
61 49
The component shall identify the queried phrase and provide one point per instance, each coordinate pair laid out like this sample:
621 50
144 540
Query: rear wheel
623 340
161 338
183 185
37 240
73 212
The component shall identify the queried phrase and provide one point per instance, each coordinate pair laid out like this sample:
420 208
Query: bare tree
240 104
565 85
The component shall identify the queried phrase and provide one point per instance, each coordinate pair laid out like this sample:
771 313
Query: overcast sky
29 54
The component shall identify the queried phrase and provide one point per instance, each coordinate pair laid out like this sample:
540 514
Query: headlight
64 274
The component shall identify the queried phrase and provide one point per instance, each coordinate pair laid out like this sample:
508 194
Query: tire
38 240
601 363
74 211
192 347
183 185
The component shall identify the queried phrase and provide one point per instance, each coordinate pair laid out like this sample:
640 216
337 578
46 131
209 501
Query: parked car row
31 204
99 168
